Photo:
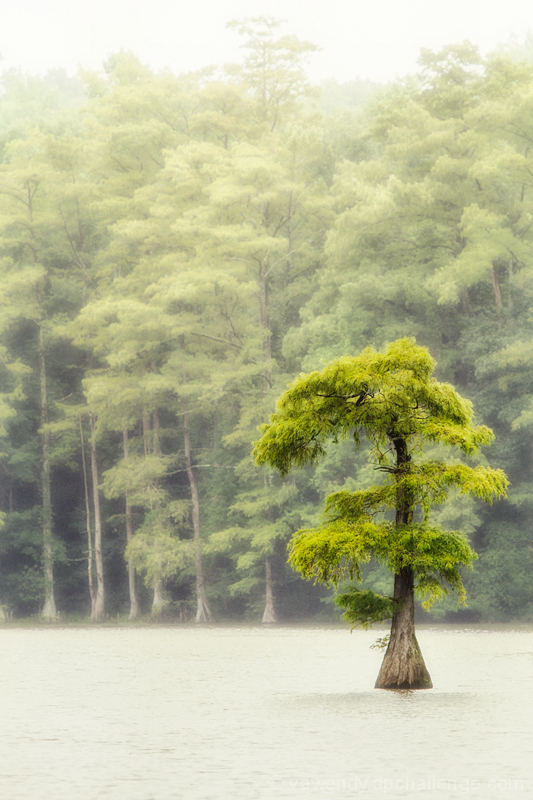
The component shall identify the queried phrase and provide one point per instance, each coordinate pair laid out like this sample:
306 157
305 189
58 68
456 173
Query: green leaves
426 484
364 607
156 552
333 553
384 396
393 400
434 556
191 242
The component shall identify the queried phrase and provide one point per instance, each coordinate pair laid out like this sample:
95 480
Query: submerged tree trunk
403 665
203 612
269 614
49 611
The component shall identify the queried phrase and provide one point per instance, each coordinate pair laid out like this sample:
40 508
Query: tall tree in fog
273 227
272 72
47 234
433 220
394 402
175 248
28 218
224 239
135 116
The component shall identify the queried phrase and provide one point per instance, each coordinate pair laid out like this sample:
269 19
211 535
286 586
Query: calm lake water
165 713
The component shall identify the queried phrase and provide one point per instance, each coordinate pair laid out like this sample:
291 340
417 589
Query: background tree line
175 249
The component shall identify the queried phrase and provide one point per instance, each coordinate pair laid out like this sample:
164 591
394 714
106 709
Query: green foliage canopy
394 401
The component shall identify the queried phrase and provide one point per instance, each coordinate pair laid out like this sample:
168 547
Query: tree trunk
156 447
151 447
159 595
403 665
90 556
510 291
134 603
269 614
203 612
465 301
497 295
49 611
147 428
265 325
99 606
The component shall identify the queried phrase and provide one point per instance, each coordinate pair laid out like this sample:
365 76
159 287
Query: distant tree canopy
175 249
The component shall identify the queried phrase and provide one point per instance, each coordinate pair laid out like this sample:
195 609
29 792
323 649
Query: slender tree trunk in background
90 555
154 422
147 438
159 596
497 295
151 447
3 611
203 612
403 666
134 603
465 301
49 611
156 448
269 614
510 292
265 322
99 606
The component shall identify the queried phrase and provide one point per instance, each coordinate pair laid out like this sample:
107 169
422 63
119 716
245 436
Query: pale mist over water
270 713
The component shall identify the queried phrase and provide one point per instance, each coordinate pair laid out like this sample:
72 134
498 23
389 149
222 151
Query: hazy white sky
376 39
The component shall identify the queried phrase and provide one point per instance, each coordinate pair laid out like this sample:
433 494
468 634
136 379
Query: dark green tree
394 402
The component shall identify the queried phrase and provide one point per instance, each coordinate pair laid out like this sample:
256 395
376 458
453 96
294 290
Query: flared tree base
49 612
403 666
203 612
269 615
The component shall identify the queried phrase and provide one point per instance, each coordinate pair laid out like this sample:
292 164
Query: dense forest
175 249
